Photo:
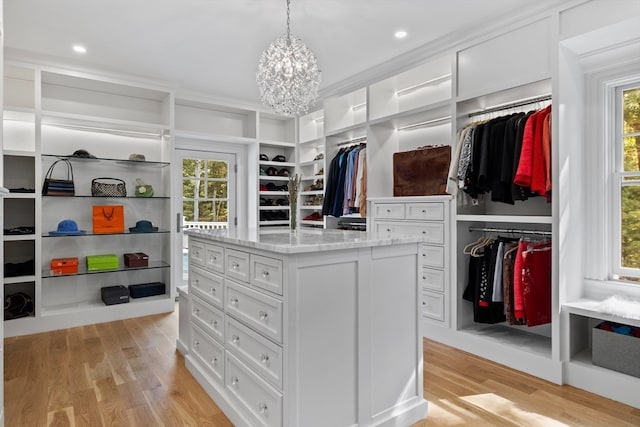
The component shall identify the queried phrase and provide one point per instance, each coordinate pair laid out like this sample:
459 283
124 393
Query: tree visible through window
204 190
630 183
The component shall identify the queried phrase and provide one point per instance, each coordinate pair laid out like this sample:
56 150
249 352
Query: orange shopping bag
108 219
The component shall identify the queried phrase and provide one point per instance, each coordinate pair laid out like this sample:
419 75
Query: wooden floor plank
128 373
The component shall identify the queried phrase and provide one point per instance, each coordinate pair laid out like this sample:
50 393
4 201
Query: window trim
614 140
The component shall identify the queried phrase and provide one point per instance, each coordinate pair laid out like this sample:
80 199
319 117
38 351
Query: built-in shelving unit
110 119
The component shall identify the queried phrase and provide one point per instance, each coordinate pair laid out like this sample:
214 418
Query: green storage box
102 262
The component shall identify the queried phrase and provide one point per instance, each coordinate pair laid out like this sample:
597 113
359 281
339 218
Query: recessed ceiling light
400 34
77 48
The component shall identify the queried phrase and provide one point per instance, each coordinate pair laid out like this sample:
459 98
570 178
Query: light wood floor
127 373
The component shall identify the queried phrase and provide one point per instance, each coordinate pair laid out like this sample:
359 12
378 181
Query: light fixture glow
77 48
400 34
288 75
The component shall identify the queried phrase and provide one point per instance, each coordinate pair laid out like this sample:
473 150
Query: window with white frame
625 209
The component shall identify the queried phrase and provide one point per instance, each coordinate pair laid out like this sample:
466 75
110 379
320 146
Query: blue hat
67 227
143 226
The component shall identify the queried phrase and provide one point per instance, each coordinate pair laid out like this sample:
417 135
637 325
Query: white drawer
214 258
432 232
433 305
209 352
431 211
260 311
257 352
388 210
208 317
206 285
237 264
433 256
266 273
433 279
259 398
196 252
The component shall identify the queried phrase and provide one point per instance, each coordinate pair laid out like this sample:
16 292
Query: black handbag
115 188
59 187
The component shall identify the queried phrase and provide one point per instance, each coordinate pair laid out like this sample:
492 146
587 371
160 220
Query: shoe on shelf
272 171
316 216
279 158
320 172
263 157
319 156
283 172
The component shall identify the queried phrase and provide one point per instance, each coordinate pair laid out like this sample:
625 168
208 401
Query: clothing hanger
470 245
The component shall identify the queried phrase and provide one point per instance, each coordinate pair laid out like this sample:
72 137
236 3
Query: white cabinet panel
433 305
389 210
433 279
516 57
196 252
425 211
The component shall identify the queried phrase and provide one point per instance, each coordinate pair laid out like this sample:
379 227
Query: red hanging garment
536 283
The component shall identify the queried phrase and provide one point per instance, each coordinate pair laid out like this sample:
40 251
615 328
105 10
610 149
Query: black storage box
146 289
118 294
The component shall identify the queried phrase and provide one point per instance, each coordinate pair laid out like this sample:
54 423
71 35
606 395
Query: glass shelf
119 161
105 234
82 270
101 197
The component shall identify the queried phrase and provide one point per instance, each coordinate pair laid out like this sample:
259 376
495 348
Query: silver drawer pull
388 210
263 315
214 323
196 311
265 274
263 408
425 232
235 265
426 304
264 358
424 254
196 343
212 290
196 282
235 381
388 230
214 361
424 278
424 211
235 339
213 259
234 300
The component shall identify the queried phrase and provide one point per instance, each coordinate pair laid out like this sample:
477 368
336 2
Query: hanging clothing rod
511 231
516 104
353 141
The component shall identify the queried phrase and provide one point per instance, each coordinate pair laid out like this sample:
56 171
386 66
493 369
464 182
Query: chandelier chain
288 22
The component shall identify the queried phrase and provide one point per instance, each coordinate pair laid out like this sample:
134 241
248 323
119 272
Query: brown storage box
421 172
138 259
60 266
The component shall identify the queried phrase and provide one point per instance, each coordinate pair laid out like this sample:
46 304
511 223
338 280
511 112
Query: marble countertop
304 240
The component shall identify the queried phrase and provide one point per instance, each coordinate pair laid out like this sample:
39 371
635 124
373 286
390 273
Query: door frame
184 145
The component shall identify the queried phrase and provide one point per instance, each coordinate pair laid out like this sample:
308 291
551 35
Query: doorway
207 195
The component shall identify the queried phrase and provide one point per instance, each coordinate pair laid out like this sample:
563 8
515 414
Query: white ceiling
213 46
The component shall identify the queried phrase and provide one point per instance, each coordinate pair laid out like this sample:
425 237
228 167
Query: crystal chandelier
288 76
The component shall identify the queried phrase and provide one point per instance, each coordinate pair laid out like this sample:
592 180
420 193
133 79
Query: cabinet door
259 311
197 252
210 318
237 265
209 353
263 402
388 211
259 353
425 211
433 305
214 258
433 279
208 286
266 273
432 232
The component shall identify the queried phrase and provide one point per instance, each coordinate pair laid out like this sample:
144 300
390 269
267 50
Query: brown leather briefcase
421 172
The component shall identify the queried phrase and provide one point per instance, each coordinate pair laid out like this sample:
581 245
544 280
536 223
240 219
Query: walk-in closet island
307 328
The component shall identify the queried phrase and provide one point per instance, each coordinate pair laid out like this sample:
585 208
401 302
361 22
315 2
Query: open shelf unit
49 114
